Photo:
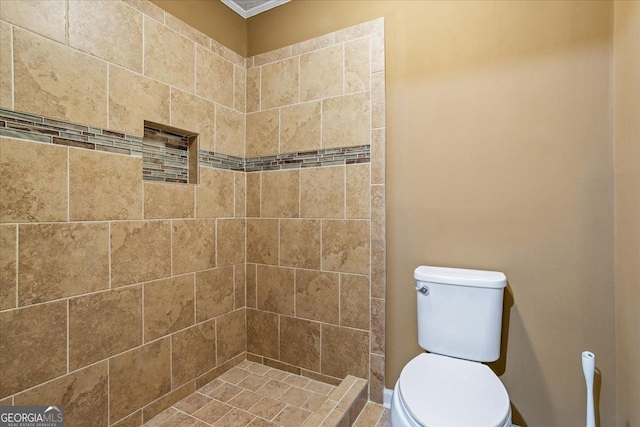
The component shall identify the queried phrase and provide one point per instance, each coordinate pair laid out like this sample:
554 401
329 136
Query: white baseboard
386 398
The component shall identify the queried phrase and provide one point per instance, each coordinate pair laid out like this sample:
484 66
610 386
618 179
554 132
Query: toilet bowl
441 391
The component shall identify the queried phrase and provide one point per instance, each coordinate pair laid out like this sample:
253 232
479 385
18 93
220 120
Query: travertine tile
340 360
245 400
322 73
104 186
192 403
346 120
313 402
239 276
227 53
194 114
6 66
230 131
214 293
83 395
262 333
377 47
258 369
24 361
267 408
215 194
230 244
317 295
300 127
147 8
234 375
378 213
193 245
313 44
133 420
359 30
272 56
252 286
273 388
300 243
168 306
212 412
231 335
295 396
262 133
34 181
300 342
354 301
104 324
279 198
345 246
193 352
291 417
8 263
109 30
279 83
164 201
54 260
73 88
133 99
358 189
377 100
369 415
140 251
376 378
235 418
276 289
186 30
262 241
47 18
224 392
174 63
241 194
322 192
253 194
139 377
253 90
160 406
377 156
356 65
378 278
214 77
377 325
239 89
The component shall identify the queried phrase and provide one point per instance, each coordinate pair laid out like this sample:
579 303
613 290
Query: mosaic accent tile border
310 159
166 160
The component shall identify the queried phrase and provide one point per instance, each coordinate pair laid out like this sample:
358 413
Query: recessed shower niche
169 154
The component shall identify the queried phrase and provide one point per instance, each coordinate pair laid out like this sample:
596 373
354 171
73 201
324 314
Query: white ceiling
249 8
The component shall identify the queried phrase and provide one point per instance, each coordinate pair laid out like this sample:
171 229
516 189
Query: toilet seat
443 391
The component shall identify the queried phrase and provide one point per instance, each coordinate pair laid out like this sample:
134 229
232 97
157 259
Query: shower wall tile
253 90
240 280
109 30
8 263
276 289
240 195
74 87
300 243
377 326
214 293
186 30
377 100
193 245
279 83
355 301
24 361
346 120
147 8
239 89
133 99
139 377
168 306
357 65
34 178
230 242
340 360
318 295
213 75
300 342
322 192
215 194
193 352
165 201
322 73
6 66
230 132
253 194
104 324
140 251
358 191
53 260
232 335
83 394
262 333
104 186
262 241
168 56
300 127
279 196
345 246
47 17
262 133
194 114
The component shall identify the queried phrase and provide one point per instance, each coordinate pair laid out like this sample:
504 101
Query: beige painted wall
499 156
213 18
627 181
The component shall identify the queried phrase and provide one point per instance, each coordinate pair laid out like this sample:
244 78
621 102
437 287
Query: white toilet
459 323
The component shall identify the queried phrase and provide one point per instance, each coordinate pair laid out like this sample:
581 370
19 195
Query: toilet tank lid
460 277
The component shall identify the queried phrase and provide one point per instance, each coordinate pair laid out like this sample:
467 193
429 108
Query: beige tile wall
316 237
118 297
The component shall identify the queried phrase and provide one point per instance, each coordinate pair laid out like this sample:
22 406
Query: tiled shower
121 295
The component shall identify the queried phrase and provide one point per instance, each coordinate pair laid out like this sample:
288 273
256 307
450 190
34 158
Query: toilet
459 324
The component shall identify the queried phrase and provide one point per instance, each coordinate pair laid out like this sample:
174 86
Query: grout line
144 41
108 391
110 256
17 284
195 300
13 72
143 290
68 320
171 359
171 247
108 91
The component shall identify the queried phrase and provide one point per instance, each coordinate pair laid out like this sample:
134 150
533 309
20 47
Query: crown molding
254 10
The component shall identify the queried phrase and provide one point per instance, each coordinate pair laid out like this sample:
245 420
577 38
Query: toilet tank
460 312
